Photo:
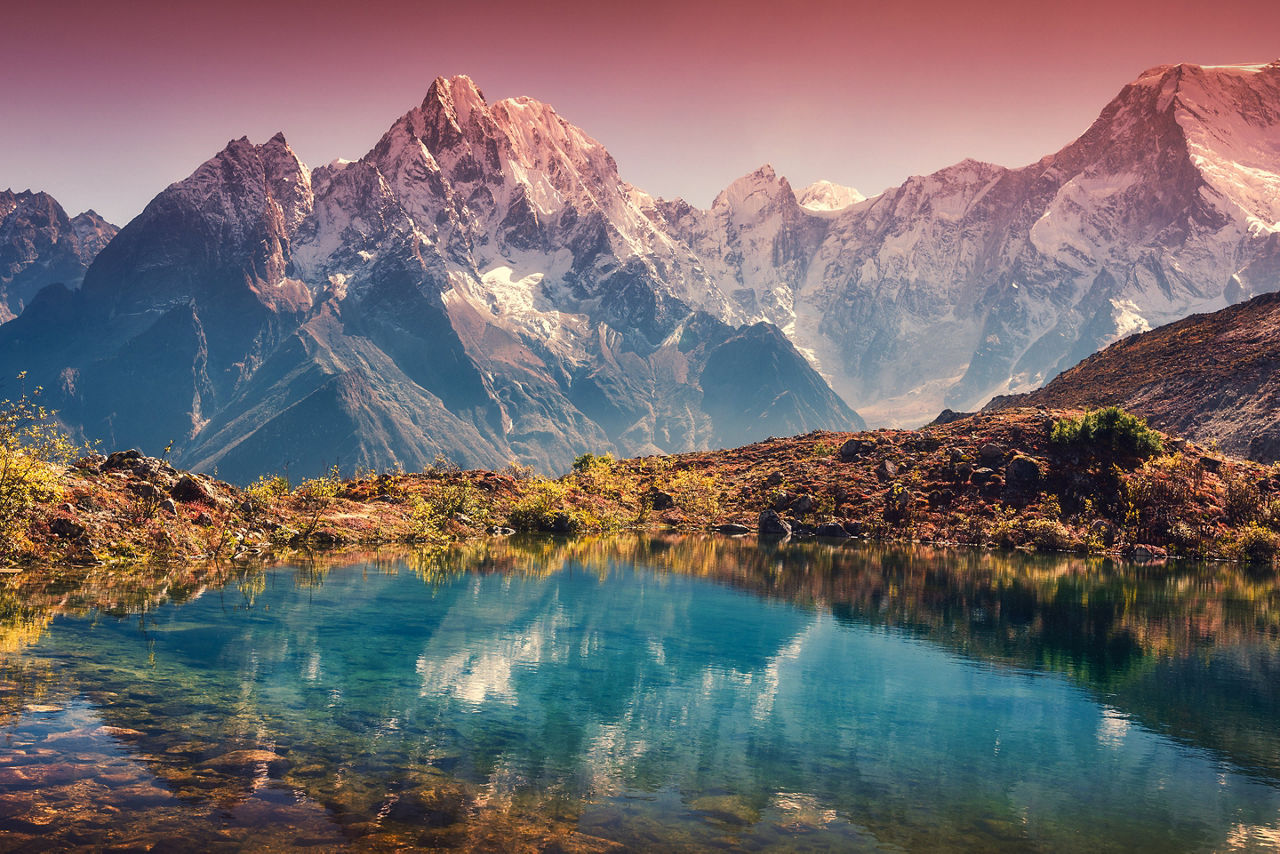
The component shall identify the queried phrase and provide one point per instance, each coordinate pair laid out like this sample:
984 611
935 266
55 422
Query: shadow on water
679 693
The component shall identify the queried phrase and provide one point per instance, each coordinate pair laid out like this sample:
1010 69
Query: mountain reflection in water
676 693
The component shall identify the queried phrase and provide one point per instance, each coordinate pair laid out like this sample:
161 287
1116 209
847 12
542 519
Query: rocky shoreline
986 480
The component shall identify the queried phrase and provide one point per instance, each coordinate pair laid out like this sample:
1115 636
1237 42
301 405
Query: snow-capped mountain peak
828 197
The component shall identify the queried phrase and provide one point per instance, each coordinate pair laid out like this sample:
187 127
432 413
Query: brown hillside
1209 377
996 479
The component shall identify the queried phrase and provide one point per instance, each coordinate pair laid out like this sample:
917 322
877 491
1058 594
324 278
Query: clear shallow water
648 694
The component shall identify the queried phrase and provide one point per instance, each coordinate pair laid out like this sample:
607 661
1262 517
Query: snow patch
827 197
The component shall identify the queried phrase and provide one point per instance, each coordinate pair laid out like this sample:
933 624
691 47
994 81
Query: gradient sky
104 104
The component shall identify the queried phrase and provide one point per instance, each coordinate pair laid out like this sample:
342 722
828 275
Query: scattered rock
121 459
67 529
169 506
991 454
1142 551
833 530
91 461
328 538
802 505
783 501
501 531
1022 473
853 529
660 500
771 525
146 491
887 470
191 488
204 520
800 529
854 448
940 497
981 476
774 479
1212 464
946 416
732 529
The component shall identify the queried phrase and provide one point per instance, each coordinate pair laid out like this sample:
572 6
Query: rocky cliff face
40 245
481 285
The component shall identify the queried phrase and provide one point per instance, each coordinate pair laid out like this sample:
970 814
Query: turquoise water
648 694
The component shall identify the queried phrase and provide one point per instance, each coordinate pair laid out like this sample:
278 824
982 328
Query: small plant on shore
33 449
1242 500
696 494
595 474
1047 535
1158 494
519 471
542 507
431 510
314 496
1255 544
821 450
1110 429
443 465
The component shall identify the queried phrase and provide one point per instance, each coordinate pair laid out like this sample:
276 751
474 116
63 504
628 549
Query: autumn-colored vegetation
1086 482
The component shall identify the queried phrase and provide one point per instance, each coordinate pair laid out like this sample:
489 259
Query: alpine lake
643 694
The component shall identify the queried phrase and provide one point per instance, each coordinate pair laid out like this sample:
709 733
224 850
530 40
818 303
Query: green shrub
595 474
1108 430
695 493
542 508
1047 535
1256 544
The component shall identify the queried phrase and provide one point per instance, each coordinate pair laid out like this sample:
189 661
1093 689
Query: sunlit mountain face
485 284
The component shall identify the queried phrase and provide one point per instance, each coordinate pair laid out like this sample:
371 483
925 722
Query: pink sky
105 104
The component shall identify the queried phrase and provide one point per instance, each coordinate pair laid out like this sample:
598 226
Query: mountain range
484 284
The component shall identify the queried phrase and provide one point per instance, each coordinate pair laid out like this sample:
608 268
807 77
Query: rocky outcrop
41 245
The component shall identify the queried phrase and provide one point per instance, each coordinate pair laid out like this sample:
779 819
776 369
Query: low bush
33 450
1108 430
1256 544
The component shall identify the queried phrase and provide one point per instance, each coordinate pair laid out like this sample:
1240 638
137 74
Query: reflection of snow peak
483 672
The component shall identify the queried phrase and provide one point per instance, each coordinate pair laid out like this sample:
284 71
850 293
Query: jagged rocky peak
41 245
516 142
234 182
754 192
225 228
92 233
828 197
